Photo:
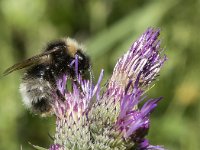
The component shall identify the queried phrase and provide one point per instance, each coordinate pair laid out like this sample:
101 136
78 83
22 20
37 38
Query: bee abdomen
37 95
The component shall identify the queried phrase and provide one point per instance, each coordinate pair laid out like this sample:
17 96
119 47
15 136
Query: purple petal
149 106
55 147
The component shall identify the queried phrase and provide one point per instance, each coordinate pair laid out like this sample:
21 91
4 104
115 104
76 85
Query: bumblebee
42 71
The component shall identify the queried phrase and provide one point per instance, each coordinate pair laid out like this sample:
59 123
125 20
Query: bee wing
37 59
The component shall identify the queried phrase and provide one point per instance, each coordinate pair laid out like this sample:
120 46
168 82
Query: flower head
143 61
90 119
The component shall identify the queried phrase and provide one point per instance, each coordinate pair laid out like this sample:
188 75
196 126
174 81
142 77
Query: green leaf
37 147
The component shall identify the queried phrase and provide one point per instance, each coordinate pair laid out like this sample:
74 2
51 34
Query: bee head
76 49
68 50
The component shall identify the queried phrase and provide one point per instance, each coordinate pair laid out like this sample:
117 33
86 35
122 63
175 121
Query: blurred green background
107 28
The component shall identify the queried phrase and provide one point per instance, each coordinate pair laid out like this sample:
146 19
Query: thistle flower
142 61
90 118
